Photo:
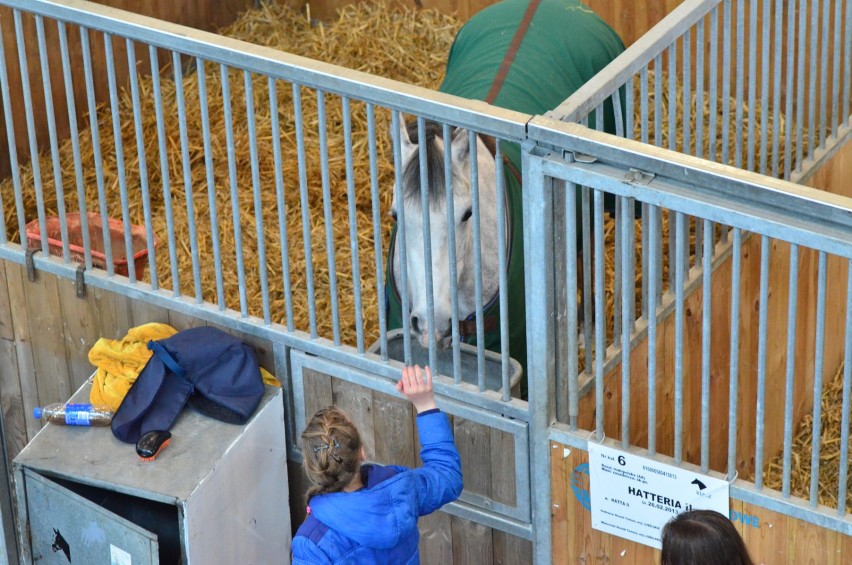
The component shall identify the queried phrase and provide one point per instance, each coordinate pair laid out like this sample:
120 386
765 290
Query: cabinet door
66 528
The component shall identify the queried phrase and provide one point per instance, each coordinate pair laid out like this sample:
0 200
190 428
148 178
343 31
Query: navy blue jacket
378 523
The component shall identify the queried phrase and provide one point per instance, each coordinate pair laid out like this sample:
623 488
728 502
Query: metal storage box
217 494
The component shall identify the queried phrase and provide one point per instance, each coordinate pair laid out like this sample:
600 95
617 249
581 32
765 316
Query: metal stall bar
164 168
819 341
327 217
477 260
281 202
776 83
451 251
397 129
790 375
305 209
765 86
258 206
765 249
502 265
75 145
54 144
353 224
177 70
571 276
733 384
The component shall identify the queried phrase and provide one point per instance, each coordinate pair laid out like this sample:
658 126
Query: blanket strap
500 78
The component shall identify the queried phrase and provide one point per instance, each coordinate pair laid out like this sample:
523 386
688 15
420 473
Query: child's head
331 451
702 537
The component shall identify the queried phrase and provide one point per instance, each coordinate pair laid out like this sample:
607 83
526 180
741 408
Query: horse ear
460 145
408 148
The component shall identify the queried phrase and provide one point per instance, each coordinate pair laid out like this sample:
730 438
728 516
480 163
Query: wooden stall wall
770 537
201 14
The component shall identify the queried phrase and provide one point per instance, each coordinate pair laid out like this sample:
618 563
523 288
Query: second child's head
331 450
702 537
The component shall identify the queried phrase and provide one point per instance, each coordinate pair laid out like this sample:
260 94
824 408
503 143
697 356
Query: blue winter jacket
378 523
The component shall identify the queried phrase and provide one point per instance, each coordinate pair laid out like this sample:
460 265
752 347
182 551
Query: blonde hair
331 451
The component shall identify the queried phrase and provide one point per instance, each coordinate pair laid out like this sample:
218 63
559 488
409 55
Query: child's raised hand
416 385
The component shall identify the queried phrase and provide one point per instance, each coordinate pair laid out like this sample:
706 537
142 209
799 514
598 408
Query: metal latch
579 157
635 176
31 274
79 283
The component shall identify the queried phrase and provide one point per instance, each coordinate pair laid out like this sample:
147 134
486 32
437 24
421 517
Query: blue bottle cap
37 413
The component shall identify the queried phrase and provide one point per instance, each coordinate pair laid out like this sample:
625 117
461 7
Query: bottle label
77 414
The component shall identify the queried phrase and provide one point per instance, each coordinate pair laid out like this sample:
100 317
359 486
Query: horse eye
467 215
393 214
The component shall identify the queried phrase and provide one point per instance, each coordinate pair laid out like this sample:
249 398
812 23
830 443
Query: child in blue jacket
364 513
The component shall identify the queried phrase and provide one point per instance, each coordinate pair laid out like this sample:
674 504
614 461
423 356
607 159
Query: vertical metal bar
672 50
13 152
75 144
426 235
788 90
618 252
726 83
143 163
353 224
643 103
740 79
164 168
503 266
646 272
119 155
283 236
600 322
96 147
699 90
571 283
847 56
672 252
847 388
776 80
232 175
54 145
836 118
329 222
765 87
629 108
401 247
819 354
658 101
765 250
714 80
599 118
211 181
752 82
680 236
539 308
791 368
586 221
823 69
687 92
258 203
628 294
733 384
477 259
177 69
31 132
377 228
451 251
706 312
812 79
800 90
653 290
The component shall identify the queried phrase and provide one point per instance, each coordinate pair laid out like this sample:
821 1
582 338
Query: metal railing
802 239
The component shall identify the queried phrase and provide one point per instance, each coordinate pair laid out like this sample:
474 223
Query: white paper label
118 556
633 497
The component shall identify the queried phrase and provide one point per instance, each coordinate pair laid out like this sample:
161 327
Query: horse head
435 223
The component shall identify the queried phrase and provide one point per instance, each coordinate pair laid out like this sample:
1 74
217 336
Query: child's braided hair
331 451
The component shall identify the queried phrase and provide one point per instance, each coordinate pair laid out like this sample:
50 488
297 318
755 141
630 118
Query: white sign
633 497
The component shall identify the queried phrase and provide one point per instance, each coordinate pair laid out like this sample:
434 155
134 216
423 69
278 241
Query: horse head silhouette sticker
701 486
59 544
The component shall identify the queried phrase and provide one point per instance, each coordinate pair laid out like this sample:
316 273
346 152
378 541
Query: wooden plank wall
770 537
388 431
201 14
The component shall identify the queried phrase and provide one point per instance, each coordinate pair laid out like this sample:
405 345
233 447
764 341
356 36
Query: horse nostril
415 324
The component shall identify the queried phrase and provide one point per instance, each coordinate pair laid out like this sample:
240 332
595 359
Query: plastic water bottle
74 414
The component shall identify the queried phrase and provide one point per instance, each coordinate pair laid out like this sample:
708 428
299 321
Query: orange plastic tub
138 237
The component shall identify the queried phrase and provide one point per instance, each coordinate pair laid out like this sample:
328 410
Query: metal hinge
31 273
635 176
79 282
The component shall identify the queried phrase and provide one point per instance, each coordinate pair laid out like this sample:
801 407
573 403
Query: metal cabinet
217 494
